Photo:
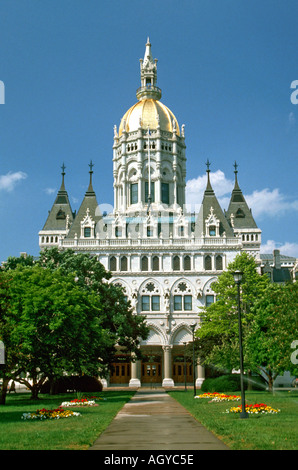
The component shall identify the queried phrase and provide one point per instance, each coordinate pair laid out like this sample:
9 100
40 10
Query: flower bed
50 414
258 408
219 397
79 402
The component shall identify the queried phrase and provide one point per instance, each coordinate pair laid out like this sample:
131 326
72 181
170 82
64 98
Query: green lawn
75 433
264 432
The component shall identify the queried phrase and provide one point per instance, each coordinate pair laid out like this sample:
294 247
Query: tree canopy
218 332
61 315
273 331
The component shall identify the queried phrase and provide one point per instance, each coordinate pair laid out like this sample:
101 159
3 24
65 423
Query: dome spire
148 69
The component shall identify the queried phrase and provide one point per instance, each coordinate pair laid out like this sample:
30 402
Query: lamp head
238 275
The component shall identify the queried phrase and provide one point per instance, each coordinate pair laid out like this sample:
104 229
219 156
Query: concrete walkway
153 420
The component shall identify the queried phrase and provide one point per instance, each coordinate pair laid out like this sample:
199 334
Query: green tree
125 328
273 330
54 327
64 316
6 328
13 261
218 332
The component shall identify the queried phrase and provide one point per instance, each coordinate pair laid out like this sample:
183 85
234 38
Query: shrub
224 383
75 383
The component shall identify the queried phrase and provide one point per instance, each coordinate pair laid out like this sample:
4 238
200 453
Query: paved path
153 420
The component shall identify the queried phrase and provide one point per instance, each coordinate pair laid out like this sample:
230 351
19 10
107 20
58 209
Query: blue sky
71 69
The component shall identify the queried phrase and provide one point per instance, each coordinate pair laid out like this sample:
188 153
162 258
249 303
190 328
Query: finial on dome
148 66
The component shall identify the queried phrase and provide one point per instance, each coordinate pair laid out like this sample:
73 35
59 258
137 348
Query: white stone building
165 258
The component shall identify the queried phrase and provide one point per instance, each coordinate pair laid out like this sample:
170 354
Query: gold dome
147 111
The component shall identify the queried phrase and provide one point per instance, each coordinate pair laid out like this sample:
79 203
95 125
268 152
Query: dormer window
212 231
87 232
87 226
212 224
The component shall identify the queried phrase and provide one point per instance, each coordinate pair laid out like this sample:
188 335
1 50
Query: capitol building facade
164 257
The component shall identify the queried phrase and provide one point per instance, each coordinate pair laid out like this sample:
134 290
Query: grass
265 432
75 433
259 432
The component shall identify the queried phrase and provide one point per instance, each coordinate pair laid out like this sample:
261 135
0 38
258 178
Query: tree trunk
4 390
34 391
249 380
270 381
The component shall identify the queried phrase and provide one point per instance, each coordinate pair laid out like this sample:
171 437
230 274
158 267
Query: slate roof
61 208
210 201
89 202
243 218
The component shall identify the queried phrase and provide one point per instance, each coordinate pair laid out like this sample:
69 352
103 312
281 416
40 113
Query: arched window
144 263
176 263
186 263
218 263
155 263
123 263
208 263
113 263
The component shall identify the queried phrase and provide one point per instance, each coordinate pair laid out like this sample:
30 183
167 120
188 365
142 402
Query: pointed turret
61 209
238 212
211 221
88 214
59 219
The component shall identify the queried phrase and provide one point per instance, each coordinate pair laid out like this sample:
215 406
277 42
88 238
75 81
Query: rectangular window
187 302
165 193
149 232
177 302
152 191
145 303
209 300
87 232
118 232
155 303
134 193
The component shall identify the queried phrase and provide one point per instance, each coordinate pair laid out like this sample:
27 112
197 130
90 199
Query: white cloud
195 188
288 249
264 202
9 181
50 191
270 203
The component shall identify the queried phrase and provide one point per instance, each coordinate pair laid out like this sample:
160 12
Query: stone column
167 358
134 379
200 374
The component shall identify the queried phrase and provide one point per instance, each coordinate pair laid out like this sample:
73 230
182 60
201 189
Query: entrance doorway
182 371
151 370
120 371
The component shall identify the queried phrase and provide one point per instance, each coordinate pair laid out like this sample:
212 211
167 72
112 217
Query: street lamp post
193 325
184 368
238 279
